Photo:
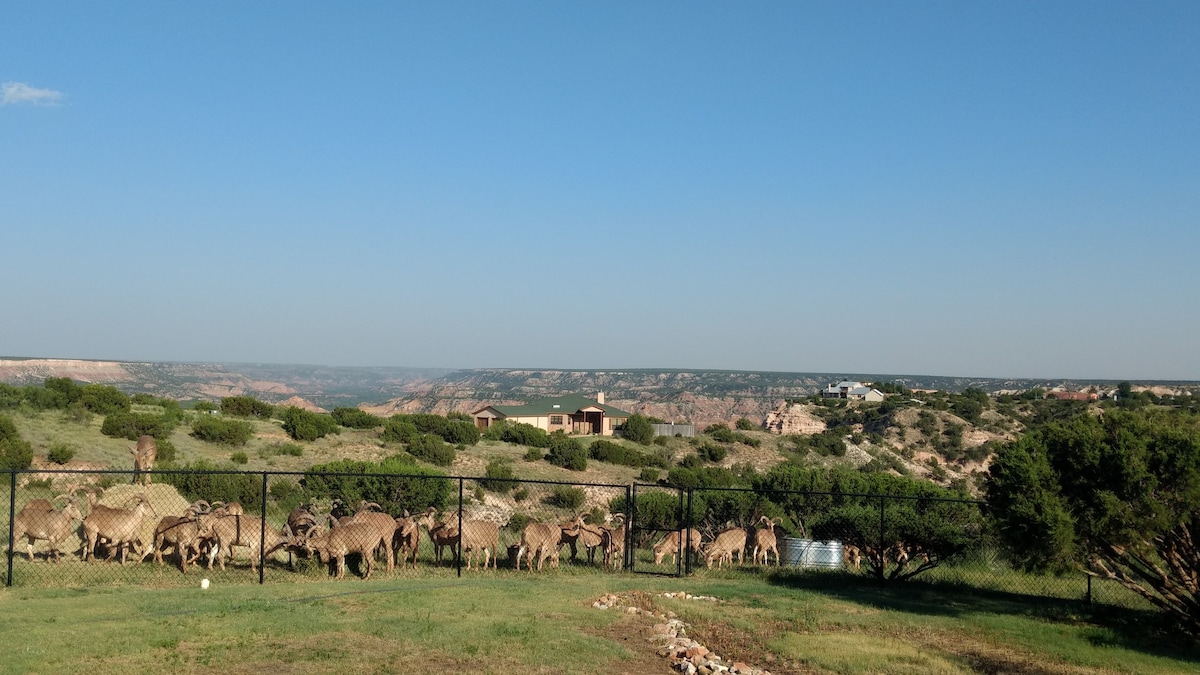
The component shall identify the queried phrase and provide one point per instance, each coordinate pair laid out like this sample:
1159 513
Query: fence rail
637 527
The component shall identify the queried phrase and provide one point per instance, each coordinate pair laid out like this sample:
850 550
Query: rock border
686 655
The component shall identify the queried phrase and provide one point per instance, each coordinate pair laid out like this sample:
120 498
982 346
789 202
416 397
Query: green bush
212 429
432 449
305 425
615 453
246 406
239 458
131 425
103 399
525 434
498 476
399 429
197 482
520 495
566 452
455 431
15 453
353 418
648 475
566 497
60 453
745 424
534 455
638 429
397 484
166 450
712 452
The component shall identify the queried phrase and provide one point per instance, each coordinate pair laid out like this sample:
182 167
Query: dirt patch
630 633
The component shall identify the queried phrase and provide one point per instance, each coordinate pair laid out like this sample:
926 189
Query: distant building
573 414
853 391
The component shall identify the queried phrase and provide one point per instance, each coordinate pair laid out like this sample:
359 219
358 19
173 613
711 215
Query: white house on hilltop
853 391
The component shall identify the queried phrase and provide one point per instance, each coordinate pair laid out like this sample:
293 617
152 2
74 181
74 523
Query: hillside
701 397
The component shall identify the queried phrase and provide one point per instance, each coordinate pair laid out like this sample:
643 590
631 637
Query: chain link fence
93 528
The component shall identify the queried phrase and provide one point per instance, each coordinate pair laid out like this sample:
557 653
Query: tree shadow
1142 630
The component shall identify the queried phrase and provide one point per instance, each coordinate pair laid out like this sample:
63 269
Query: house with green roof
573 414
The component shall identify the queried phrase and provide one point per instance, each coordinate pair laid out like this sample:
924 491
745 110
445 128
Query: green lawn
431 621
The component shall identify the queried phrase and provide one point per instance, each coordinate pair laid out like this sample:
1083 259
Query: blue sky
976 189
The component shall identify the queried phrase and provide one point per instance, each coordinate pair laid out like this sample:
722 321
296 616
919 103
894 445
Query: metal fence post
458 550
687 524
882 551
679 521
12 506
262 535
628 554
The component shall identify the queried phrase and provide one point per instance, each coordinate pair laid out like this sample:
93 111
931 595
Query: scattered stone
686 655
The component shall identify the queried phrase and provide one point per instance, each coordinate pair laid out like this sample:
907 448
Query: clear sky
1004 189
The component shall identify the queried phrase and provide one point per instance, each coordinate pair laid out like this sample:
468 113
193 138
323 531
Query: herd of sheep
210 533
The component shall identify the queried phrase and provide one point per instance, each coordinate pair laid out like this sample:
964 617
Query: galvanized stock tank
809 553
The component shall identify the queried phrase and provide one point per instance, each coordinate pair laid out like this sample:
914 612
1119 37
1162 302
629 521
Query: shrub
498 476
246 406
130 425
721 433
353 418
198 482
15 453
517 522
615 453
290 449
417 489
712 452
566 452
205 406
166 450
432 449
566 497
103 399
305 425
693 461
534 455
745 424
60 453
648 475
399 429
520 495
525 434
638 429
456 431
239 458
221 430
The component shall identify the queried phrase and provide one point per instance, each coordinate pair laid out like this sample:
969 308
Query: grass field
431 621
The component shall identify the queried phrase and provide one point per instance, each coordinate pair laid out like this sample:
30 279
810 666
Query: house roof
559 404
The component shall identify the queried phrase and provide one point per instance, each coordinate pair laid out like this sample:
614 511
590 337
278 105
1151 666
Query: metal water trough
809 553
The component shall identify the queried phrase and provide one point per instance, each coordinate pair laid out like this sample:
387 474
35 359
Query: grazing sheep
144 455
725 545
480 536
338 542
614 550
852 555
765 540
541 540
406 540
592 537
121 528
35 522
229 531
442 533
382 522
670 544
184 533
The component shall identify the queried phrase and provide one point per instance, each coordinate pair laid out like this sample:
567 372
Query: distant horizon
834 374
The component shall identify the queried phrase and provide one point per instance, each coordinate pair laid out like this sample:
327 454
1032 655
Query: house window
556 419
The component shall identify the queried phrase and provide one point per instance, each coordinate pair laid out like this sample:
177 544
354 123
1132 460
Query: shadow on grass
1146 631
